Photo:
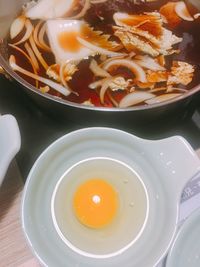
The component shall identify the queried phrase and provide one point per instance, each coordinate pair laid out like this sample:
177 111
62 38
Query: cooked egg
49 9
100 207
95 203
62 35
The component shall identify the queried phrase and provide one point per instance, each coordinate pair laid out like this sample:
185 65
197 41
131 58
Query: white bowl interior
132 214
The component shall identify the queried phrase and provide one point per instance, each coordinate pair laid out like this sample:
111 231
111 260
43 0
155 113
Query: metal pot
65 109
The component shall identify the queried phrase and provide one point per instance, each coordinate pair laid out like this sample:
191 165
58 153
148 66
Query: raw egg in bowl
103 197
100 201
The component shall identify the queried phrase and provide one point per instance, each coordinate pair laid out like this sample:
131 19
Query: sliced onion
134 99
169 16
48 9
97 1
134 67
17 26
53 72
28 57
148 63
182 11
103 90
97 84
161 98
131 54
114 102
32 56
197 15
111 59
97 70
105 84
97 49
83 10
160 89
171 89
62 75
37 53
42 43
36 32
63 90
38 36
29 29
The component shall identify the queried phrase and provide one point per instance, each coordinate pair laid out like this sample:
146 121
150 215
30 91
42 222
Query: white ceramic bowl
164 167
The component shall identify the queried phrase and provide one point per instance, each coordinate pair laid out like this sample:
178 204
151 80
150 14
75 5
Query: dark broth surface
189 51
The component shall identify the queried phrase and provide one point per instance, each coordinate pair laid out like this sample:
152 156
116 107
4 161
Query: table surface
13 247
14 251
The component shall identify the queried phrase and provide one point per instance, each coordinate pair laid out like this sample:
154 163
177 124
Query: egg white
131 215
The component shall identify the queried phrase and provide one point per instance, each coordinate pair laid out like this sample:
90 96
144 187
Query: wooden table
14 251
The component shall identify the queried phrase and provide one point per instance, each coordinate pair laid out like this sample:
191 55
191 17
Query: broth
123 81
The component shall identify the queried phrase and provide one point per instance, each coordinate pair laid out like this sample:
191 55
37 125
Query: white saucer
185 251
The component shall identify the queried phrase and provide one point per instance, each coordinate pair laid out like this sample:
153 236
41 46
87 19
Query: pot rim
24 83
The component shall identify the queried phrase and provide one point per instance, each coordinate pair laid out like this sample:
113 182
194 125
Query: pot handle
10 142
178 162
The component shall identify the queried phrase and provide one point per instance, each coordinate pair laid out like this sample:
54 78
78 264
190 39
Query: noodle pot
78 112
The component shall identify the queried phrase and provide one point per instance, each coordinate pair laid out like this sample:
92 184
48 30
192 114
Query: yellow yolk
95 203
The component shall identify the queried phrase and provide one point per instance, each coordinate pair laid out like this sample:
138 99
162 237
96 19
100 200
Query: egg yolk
95 203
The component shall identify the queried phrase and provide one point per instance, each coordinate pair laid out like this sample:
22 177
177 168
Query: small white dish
163 167
185 251
10 142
